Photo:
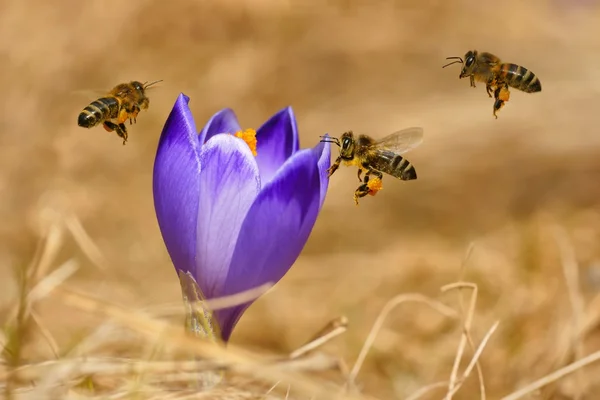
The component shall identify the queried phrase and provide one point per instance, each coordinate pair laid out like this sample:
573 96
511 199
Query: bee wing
401 141
489 58
89 93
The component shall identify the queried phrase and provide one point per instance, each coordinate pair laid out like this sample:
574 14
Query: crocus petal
277 141
323 152
274 231
224 121
229 183
176 184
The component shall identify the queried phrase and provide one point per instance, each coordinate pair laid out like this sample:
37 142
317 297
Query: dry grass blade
331 330
475 358
234 358
52 281
426 389
389 306
466 330
111 366
571 272
46 334
93 340
463 270
43 258
217 303
19 320
52 243
272 388
556 375
238 298
312 362
85 242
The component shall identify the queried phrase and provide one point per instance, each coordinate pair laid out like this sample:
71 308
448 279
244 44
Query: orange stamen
248 136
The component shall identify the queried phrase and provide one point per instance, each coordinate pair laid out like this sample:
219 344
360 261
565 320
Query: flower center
374 185
248 136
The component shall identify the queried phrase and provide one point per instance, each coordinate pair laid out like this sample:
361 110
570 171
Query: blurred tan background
370 66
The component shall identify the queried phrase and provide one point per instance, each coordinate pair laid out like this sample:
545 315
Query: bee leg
135 110
364 167
497 106
501 94
334 166
489 89
364 189
108 126
370 172
122 132
122 116
472 78
120 129
360 171
361 191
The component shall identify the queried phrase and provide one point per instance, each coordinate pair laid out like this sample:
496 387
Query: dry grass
88 292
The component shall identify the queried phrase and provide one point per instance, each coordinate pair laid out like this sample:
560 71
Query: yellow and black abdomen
98 111
520 78
392 164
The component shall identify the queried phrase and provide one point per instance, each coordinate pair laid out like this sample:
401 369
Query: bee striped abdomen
98 111
520 78
394 165
403 169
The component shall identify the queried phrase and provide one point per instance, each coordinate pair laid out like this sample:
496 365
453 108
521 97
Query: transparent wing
489 58
88 94
401 141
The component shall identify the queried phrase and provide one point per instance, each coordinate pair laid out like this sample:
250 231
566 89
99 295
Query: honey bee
376 157
122 103
497 76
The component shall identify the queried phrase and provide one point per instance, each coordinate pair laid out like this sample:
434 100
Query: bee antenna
146 85
327 139
458 60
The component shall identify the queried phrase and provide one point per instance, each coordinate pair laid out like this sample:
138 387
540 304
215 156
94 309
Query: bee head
347 145
344 142
139 86
468 63
142 87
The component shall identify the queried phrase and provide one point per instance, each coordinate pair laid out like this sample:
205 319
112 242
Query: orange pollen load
374 185
248 136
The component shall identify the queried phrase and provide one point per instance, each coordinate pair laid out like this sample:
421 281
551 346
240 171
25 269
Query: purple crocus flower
232 220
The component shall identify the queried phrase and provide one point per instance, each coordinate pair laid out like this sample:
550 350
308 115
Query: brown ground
372 66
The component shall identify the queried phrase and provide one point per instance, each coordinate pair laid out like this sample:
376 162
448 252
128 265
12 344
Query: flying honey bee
376 157
497 76
122 103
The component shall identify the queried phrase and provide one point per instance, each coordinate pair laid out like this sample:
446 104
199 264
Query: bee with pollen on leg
122 103
498 76
376 157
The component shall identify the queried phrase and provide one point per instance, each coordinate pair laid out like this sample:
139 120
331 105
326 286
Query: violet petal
274 231
175 184
224 121
229 183
277 140
323 152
